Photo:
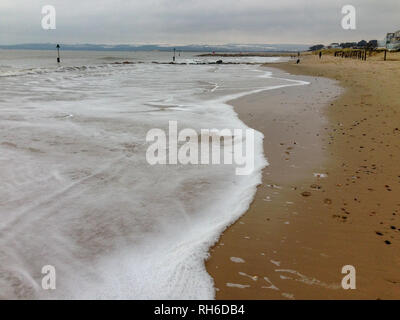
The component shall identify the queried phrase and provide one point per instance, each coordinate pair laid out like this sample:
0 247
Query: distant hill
151 47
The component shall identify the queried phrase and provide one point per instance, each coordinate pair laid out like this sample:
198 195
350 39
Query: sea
83 215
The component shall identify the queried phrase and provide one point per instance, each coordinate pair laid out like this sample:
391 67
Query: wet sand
302 228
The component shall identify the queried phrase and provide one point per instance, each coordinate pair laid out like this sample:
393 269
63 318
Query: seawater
77 192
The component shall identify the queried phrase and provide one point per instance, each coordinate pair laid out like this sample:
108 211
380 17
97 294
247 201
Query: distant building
389 37
393 41
334 45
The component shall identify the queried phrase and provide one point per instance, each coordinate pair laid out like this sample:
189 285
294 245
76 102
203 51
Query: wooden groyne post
360 53
58 53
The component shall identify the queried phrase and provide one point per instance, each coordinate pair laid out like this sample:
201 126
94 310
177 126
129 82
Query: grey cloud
195 21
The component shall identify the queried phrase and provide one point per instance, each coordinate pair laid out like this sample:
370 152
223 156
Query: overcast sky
196 21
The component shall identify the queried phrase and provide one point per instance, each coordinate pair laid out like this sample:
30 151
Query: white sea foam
236 285
237 260
78 194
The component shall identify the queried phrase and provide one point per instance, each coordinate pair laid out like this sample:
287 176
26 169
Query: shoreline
301 229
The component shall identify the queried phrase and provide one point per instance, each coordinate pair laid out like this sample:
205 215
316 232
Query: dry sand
302 229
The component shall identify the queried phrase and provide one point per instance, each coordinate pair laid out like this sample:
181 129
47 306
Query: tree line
361 44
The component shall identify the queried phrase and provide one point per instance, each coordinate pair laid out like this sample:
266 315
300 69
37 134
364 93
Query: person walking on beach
320 54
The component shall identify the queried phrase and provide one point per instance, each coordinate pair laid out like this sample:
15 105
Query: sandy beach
330 196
